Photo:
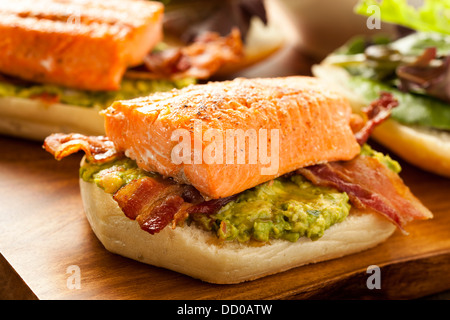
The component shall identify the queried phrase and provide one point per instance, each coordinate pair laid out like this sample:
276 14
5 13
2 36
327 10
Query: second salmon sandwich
62 61
232 181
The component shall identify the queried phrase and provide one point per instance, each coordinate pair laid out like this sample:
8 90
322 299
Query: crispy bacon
377 112
152 202
98 149
199 60
370 184
155 202
45 97
162 214
141 195
211 206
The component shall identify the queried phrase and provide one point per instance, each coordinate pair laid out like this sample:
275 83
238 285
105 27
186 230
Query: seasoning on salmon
82 44
311 123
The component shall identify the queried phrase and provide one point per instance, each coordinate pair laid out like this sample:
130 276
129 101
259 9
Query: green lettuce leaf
433 15
413 109
416 43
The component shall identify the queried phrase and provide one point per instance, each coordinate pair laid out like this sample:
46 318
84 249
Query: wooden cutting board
45 237
45 240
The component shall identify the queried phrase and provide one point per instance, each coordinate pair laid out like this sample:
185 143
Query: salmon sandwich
232 181
414 68
62 61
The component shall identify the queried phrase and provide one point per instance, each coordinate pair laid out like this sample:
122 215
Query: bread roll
35 120
197 253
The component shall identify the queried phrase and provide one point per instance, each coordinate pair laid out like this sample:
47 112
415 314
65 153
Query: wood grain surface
44 234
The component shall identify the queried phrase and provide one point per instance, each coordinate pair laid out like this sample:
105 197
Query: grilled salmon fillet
311 125
83 44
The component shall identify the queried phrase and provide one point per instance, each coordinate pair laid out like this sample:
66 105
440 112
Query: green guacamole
129 89
286 208
110 176
385 159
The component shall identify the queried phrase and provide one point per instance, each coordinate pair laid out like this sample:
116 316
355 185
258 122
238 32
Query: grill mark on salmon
86 12
313 123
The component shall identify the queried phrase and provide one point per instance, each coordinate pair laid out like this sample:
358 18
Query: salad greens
415 68
374 66
413 109
433 15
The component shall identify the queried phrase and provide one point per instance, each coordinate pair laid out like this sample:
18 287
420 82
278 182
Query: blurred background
275 32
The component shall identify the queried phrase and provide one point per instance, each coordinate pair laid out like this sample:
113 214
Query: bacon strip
154 203
199 60
211 206
162 214
98 149
377 112
370 184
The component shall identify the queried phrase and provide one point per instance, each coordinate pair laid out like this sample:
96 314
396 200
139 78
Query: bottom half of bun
425 148
197 253
35 120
